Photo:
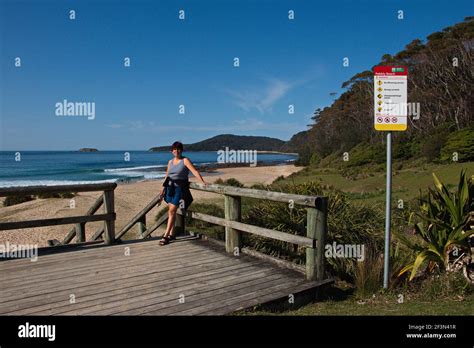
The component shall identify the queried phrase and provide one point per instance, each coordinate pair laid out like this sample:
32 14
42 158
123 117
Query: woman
176 187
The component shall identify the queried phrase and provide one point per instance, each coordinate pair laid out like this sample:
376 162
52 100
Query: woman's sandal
171 237
164 241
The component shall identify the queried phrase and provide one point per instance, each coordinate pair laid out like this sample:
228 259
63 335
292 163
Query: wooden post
81 232
179 225
141 226
233 213
109 225
316 229
69 237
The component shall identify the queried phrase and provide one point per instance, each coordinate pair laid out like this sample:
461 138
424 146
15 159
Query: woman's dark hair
178 146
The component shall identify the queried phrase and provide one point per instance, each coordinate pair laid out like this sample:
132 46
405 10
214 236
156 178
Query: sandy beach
129 200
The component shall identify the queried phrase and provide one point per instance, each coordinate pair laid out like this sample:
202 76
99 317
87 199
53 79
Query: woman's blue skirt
173 195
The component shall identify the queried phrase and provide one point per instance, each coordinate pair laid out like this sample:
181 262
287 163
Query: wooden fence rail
107 199
316 225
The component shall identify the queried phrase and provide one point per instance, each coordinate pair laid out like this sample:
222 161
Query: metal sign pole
390 114
386 269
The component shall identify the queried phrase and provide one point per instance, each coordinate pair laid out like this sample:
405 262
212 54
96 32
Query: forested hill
440 78
231 141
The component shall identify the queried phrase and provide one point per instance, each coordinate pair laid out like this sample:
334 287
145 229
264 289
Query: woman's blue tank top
178 171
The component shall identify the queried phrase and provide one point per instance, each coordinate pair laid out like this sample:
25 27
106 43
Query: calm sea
72 167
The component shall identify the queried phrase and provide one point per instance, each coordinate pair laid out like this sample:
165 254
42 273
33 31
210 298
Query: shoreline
209 169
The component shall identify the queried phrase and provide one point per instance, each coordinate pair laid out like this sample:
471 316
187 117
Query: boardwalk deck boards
151 280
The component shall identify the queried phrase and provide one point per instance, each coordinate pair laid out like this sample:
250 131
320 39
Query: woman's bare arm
193 170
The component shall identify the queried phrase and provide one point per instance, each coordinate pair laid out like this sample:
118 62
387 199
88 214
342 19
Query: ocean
27 168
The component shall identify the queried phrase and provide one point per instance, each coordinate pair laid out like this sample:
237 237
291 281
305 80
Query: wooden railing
79 231
316 224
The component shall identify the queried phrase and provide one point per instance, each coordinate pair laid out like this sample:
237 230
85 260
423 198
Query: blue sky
189 62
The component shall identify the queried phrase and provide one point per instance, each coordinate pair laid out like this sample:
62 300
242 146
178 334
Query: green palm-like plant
444 225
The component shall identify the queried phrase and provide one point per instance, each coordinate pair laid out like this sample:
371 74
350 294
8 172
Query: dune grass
406 181
381 306
341 299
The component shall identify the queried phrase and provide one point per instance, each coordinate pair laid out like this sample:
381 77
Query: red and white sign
390 98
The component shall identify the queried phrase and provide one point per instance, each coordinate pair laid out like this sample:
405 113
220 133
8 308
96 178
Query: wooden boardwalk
187 277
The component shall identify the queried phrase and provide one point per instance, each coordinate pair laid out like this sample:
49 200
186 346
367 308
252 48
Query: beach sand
129 200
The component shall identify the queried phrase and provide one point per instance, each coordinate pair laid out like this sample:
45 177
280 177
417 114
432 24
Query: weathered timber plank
226 291
142 304
122 295
103 274
57 302
30 190
260 231
61 273
251 299
309 201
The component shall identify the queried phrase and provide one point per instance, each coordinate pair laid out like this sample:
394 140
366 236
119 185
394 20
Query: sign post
390 114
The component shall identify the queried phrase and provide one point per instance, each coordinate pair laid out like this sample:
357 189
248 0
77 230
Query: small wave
126 174
113 170
154 176
146 175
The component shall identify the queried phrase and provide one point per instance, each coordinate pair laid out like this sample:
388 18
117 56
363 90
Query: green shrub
315 159
442 285
348 223
362 171
332 160
56 195
219 181
461 142
16 199
258 186
304 156
213 231
431 148
416 146
402 150
229 182
279 178
442 225
233 182
365 154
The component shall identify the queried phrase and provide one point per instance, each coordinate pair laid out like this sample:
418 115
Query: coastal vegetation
440 79
19 198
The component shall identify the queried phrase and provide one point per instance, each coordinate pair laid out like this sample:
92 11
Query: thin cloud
114 125
264 97
261 99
